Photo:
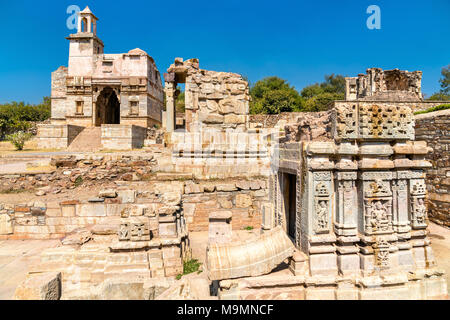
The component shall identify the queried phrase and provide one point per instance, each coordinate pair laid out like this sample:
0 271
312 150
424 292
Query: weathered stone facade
99 89
434 129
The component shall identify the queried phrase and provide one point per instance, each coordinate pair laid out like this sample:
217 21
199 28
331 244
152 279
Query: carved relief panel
377 202
134 231
322 206
417 203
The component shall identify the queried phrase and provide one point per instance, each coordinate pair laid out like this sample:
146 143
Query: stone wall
242 197
218 100
56 136
123 137
434 129
81 170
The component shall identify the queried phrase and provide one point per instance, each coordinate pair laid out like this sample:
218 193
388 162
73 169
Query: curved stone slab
250 258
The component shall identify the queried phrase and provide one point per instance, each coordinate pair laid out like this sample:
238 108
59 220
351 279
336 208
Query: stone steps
90 139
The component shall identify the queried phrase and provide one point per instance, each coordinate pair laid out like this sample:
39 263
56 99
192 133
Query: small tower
84 45
87 21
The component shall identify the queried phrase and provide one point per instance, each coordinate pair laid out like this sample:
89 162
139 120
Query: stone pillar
89 24
169 88
345 225
318 200
378 250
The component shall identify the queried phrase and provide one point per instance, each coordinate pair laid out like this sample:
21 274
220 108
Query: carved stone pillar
345 225
318 199
169 88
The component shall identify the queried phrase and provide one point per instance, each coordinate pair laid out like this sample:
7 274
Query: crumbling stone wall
434 128
82 170
242 198
378 84
218 100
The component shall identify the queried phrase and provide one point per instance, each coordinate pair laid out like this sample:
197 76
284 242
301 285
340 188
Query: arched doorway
107 108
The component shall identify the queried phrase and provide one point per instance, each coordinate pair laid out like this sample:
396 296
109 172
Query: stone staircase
87 140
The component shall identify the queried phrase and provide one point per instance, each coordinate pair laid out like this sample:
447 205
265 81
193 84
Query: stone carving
418 187
418 212
377 188
382 253
346 119
378 216
139 231
418 207
298 208
134 231
322 176
321 208
124 232
374 122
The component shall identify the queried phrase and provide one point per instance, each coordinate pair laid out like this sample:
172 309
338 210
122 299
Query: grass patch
190 266
78 181
14 191
433 109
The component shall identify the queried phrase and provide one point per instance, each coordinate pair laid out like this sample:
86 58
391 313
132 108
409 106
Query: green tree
320 95
445 80
18 116
444 93
180 101
273 95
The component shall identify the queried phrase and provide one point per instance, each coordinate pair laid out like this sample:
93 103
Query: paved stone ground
15 258
440 242
17 255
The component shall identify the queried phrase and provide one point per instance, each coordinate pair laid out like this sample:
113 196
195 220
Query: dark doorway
107 108
290 197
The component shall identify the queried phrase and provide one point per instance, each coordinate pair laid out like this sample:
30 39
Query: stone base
429 285
56 136
122 136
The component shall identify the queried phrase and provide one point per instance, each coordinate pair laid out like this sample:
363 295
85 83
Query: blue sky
299 41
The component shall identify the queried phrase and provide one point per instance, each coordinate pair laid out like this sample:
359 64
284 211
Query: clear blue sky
299 41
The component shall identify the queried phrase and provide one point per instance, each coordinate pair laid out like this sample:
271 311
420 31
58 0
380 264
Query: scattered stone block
6 225
40 286
107 193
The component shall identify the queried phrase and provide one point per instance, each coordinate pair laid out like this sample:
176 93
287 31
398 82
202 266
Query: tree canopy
273 95
17 116
444 93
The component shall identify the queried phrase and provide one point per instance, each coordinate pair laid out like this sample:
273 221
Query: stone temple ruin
337 199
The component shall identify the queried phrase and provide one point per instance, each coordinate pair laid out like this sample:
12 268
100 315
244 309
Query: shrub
18 139
190 266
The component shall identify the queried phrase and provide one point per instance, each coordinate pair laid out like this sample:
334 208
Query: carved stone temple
353 205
